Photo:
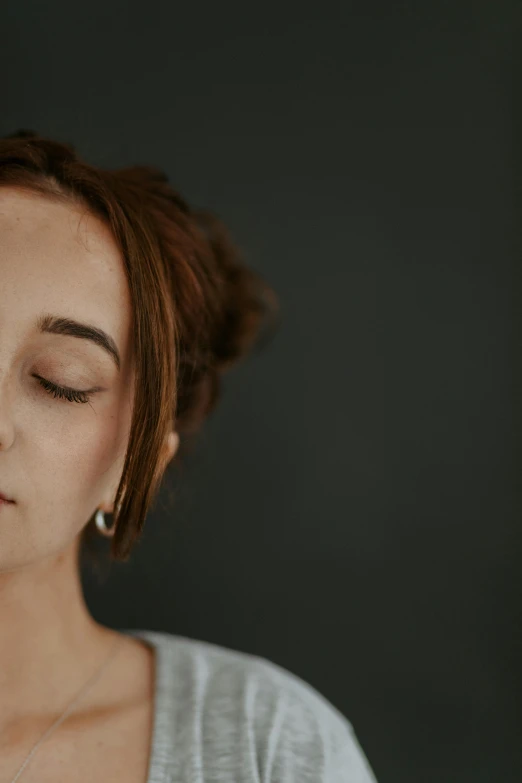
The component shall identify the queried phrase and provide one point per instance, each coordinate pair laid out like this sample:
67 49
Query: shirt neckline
161 739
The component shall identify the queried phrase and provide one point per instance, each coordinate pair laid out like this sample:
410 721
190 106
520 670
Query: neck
50 644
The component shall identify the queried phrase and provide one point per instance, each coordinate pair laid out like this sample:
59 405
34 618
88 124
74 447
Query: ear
171 445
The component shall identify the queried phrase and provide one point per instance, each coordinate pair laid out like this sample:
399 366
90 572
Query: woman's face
59 459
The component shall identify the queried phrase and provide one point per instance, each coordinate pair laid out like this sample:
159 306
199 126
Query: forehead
62 259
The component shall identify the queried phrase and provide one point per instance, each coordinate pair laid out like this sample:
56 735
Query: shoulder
272 717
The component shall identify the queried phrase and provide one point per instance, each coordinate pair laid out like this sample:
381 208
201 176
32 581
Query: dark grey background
353 510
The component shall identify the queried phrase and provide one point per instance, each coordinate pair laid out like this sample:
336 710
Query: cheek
68 465
69 458
74 462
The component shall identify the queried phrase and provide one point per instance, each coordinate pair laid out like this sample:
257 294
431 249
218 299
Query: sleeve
305 739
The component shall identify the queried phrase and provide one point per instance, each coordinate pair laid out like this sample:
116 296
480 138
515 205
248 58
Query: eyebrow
54 324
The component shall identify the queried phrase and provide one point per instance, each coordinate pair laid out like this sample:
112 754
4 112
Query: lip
5 499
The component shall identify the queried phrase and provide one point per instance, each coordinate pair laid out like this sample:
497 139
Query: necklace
90 682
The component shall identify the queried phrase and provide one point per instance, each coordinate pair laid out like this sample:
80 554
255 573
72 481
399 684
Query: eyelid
66 388
66 393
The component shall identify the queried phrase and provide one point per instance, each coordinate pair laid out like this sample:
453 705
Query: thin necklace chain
88 685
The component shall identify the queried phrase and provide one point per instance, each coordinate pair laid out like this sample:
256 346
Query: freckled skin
59 460
58 456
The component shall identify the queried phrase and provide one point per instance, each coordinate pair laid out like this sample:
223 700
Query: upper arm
305 739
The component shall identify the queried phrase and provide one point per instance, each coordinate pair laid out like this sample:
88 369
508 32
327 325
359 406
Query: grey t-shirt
224 716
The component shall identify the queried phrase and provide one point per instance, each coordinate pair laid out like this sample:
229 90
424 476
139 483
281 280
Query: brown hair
197 309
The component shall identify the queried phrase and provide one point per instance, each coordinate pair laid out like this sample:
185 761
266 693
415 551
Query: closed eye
64 392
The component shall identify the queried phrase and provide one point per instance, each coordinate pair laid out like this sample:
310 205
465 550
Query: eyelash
71 395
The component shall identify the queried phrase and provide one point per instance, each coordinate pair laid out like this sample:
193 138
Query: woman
120 306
